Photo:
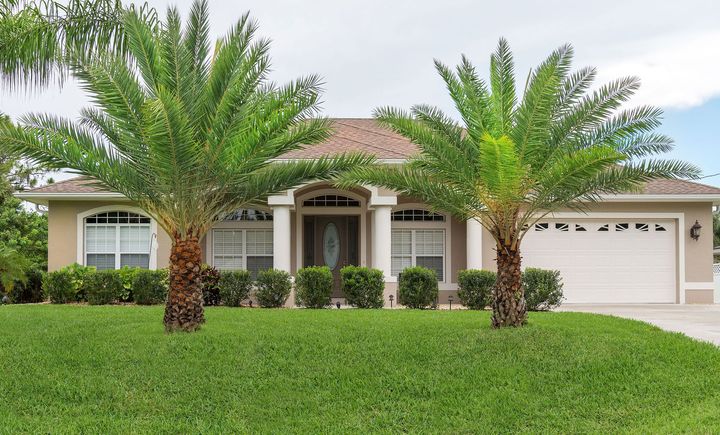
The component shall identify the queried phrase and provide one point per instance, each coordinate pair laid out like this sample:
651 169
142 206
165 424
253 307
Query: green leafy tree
39 39
188 133
514 159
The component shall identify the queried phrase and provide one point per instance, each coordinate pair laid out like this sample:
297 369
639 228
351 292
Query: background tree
513 161
187 135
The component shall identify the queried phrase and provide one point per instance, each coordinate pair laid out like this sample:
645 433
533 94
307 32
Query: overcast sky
373 53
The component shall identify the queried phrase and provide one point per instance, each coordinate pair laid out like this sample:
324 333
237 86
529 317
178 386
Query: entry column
281 237
473 242
381 241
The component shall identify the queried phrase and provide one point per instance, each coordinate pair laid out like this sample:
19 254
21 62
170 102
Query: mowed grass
113 369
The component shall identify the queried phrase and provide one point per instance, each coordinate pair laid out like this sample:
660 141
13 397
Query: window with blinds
418 247
117 239
249 249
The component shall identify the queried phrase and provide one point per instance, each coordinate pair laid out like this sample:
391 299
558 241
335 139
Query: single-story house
630 248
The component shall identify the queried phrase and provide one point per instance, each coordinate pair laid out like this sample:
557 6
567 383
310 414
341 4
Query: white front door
607 261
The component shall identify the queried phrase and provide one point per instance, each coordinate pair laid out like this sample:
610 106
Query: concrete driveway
697 321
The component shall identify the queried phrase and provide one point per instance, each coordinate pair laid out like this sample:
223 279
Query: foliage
313 286
40 39
60 287
716 229
103 287
272 288
173 119
235 286
417 287
543 289
150 287
29 291
475 288
127 276
13 267
210 284
78 275
363 287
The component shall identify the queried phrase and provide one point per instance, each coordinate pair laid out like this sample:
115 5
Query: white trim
80 252
701 197
679 217
699 285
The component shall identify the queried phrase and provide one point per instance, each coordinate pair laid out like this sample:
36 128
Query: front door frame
302 211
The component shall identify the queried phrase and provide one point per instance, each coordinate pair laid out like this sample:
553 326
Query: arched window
243 240
115 239
331 201
417 215
248 214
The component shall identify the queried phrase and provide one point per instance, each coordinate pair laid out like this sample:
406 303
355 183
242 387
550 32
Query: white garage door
607 261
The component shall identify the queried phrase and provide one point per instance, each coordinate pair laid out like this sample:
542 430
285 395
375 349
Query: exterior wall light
695 230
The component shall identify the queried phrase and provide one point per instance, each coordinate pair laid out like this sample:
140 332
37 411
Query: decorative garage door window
633 227
331 201
249 249
418 247
116 239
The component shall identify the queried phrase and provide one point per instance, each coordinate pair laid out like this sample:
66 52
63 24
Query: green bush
127 276
543 289
59 287
209 280
150 287
313 286
363 287
234 287
78 274
272 288
103 287
30 291
475 288
418 287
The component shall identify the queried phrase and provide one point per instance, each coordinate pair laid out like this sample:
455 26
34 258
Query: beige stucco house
633 248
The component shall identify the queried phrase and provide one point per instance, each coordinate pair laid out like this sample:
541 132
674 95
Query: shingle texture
365 135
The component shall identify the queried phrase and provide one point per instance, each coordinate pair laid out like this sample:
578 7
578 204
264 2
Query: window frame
243 226
81 251
414 226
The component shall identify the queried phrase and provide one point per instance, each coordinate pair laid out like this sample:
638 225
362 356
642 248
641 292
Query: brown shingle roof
366 135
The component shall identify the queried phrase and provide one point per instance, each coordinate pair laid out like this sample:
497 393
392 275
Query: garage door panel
629 263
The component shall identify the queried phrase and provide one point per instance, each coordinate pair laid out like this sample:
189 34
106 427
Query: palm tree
40 38
13 268
187 135
511 162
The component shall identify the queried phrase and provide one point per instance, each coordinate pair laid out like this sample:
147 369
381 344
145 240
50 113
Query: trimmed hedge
234 287
209 282
59 287
103 287
475 288
543 289
313 286
29 291
150 287
363 287
417 287
272 288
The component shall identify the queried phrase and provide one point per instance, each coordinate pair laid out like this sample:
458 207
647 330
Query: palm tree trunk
508 296
184 307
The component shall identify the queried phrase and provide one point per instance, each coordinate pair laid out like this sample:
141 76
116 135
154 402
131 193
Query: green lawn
112 369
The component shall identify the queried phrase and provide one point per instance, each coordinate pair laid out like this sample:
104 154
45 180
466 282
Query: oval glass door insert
331 245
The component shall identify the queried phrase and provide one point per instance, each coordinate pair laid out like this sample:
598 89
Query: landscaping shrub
543 289
30 291
475 288
78 274
313 286
363 286
272 288
418 287
234 287
59 287
103 287
150 287
127 276
209 281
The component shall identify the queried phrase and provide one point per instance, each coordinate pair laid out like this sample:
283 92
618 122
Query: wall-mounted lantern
695 230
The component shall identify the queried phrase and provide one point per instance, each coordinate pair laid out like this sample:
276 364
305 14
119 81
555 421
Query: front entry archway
332 241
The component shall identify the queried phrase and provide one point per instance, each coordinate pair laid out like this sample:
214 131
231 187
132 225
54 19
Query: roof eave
664 197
